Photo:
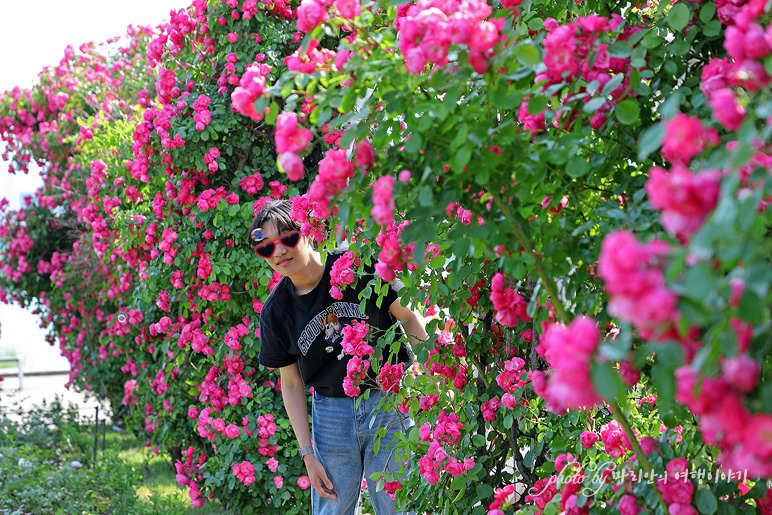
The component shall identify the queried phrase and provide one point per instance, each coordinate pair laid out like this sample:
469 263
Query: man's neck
307 280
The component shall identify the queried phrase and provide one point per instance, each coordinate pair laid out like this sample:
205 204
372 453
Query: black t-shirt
307 329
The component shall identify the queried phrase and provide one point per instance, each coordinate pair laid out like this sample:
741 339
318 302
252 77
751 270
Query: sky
32 36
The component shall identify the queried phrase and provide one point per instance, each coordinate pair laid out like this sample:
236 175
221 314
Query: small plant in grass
46 468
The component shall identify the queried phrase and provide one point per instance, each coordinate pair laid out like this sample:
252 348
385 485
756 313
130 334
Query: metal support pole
21 375
96 432
104 434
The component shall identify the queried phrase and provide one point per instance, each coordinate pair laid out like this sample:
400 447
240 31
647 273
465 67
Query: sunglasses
267 248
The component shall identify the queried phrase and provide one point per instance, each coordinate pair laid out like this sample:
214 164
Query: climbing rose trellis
574 193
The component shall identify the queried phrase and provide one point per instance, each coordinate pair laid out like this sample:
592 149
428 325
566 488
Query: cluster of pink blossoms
251 183
291 139
245 472
510 307
204 265
635 282
573 50
392 257
303 212
389 377
354 344
428 28
214 292
188 474
342 273
334 172
210 158
383 202
203 116
676 488
685 137
313 12
542 492
570 352
251 87
436 461
686 199
442 363
209 427
510 379
724 420
266 430
233 335
311 59
167 240
747 44
210 198
614 439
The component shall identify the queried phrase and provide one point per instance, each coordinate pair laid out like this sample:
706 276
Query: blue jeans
344 443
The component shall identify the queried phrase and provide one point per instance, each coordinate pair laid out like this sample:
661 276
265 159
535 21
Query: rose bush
575 193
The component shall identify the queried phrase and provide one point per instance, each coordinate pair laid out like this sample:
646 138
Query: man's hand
318 477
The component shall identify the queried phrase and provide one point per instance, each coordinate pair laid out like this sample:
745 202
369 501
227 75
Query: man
299 336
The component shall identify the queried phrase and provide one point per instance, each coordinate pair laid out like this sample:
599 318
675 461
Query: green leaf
712 28
706 502
462 157
628 111
607 381
679 16
768 64
413 145
536 104
620 49
460 137
527 55
483 490
478 440
751 309
273 112
577 166
593 105
650 141
707 12
612 84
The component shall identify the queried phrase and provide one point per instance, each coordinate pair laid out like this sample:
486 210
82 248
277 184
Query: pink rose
681 509
365 154
349 9
278 481
415 61
291 164
758 435
341 58
685 137
727 109
483 36
628 505
588 439
231 431
742 372
310 14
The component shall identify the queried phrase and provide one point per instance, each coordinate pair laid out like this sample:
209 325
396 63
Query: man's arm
293 392
412 321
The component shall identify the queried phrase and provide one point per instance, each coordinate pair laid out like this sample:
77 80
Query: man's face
287 261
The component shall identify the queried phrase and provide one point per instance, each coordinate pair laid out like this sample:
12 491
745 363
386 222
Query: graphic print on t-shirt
329 321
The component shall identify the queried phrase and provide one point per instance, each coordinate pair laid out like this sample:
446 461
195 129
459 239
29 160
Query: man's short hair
276 211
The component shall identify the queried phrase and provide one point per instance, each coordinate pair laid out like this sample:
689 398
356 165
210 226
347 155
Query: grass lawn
47 468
